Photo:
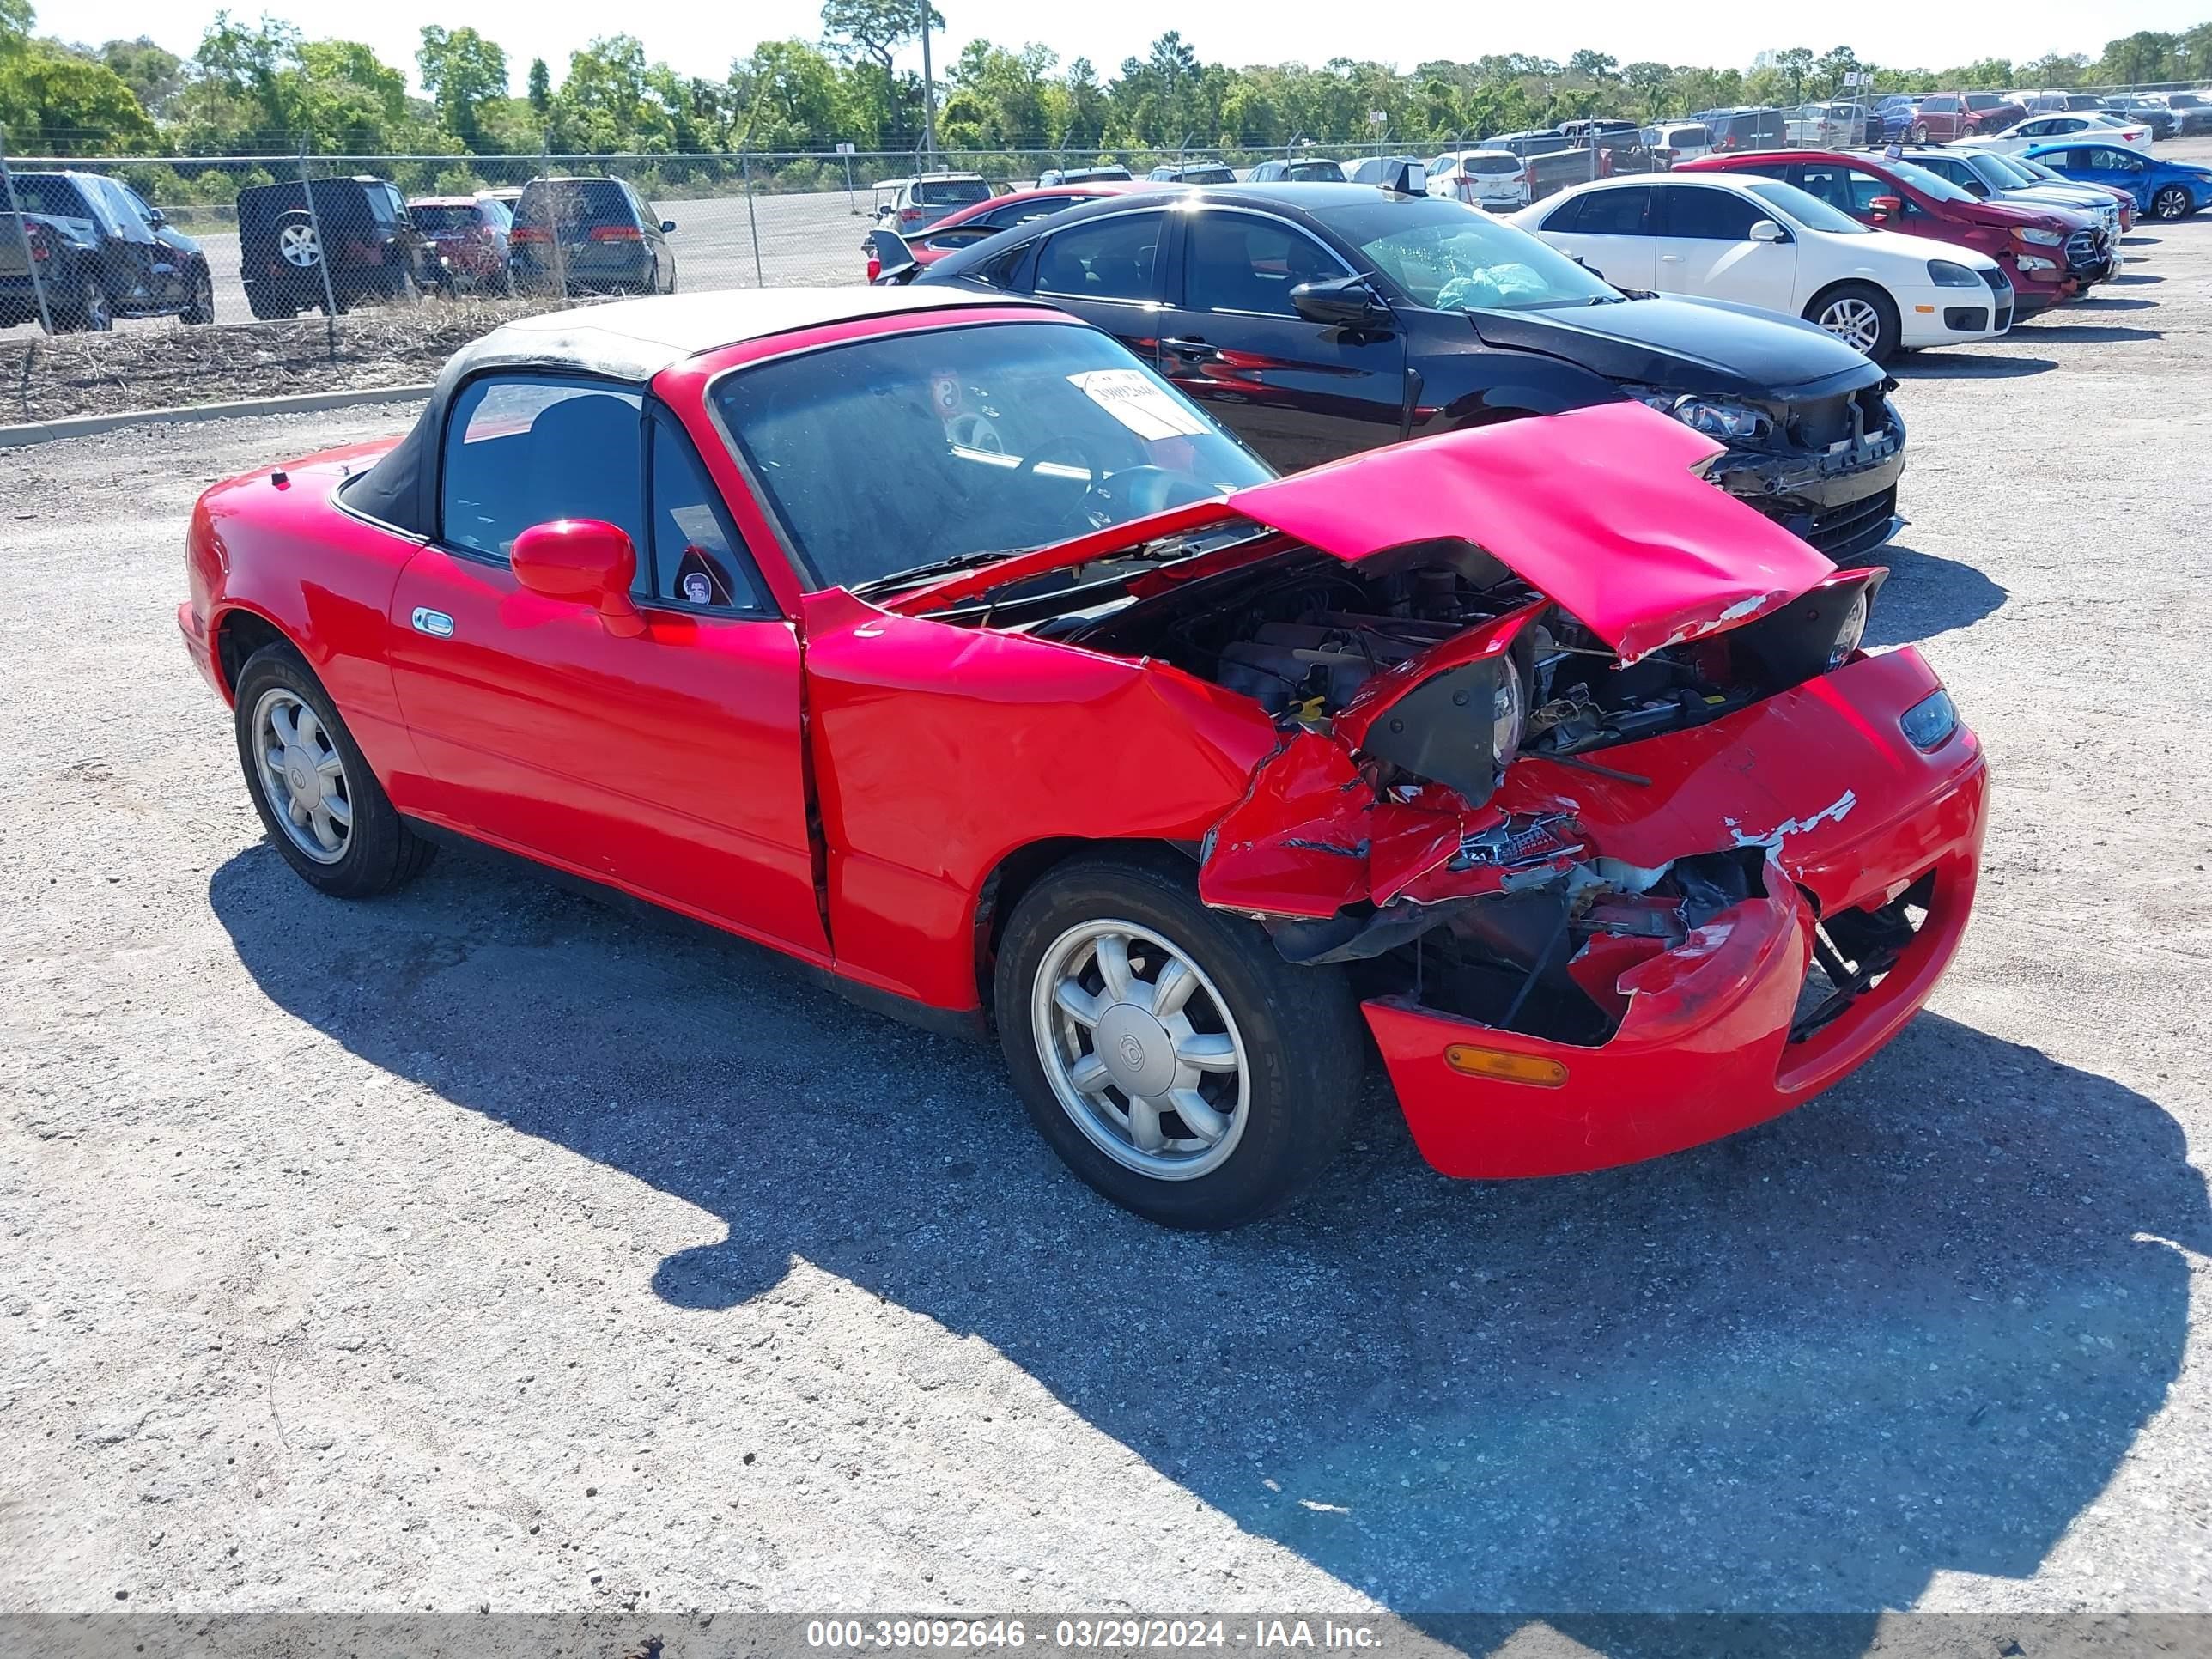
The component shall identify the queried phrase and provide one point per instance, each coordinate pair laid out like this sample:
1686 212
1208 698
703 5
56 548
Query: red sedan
933 641
978 220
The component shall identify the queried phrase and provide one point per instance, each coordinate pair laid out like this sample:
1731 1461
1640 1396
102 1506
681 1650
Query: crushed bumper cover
1842 501
1706 1046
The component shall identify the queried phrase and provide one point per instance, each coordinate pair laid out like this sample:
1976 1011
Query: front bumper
200 647
1843 501
1706 1047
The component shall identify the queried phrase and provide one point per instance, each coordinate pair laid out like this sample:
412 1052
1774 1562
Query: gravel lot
488 1247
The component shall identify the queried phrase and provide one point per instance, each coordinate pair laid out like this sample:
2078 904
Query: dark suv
360 225
101 252
589 236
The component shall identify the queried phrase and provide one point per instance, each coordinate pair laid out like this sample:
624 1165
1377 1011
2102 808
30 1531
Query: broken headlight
1716 417
1929 722
1509 717
1849 632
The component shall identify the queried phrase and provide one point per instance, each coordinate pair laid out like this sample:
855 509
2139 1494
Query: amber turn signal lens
1508 1068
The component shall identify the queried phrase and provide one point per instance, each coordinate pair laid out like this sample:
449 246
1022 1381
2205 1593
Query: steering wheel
1094 509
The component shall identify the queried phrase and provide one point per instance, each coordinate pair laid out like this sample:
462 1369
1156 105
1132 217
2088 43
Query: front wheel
322 806
2172 202
1167 1051
1920 133
1860 315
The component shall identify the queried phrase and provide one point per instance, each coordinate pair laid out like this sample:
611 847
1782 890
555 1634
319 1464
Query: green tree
875 30
541 87
462 72
55 103
16 17
2146 55
1593 65
153 76
787 90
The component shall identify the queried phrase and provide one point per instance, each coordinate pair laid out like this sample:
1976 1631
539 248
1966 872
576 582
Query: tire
297 244
2170 204
376 851
201 311
1859 314
1920 133
267 308
92 313
1292 1037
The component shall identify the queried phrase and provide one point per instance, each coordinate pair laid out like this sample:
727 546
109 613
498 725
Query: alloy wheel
302 775
300 246
1140 1049
1853 321
2172 202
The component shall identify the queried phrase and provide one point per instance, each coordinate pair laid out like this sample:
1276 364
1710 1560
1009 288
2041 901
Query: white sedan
1759 242
2048 129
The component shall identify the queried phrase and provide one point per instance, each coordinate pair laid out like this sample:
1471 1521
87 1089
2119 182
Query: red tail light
875 267
909 216
529 234
616 234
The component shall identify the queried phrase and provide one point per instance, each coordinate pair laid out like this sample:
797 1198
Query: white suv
1493 178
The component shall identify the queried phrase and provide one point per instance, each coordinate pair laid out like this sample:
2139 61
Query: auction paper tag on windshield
1139 402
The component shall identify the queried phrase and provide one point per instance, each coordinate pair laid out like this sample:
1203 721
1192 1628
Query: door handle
436 623
1197 350
1670 259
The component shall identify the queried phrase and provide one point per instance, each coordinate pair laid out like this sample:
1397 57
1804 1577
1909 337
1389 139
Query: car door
1706 249
2110 165
1939 115
1108 272
1610 230
1298 391
668 764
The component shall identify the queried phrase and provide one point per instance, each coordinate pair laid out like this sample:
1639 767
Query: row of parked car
1756 295
100 251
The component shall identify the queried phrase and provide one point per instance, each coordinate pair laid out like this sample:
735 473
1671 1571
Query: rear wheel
2172 202
1166 1051
201 309
324 809
1859 314
1920 132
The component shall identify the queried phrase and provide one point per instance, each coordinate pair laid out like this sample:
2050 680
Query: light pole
928 91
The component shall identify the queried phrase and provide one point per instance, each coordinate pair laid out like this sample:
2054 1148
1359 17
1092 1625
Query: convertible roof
629 341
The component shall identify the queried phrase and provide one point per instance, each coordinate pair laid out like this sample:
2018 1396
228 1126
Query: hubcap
302 776
1140 1051
298 245
1854 322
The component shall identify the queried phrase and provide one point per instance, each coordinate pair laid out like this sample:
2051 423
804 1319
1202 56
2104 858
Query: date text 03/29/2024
1111 1635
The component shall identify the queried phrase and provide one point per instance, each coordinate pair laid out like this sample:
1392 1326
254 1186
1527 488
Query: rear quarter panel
286 553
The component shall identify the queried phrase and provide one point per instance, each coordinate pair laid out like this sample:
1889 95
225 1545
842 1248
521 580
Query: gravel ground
488 1247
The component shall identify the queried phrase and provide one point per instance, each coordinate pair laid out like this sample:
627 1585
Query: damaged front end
1577 807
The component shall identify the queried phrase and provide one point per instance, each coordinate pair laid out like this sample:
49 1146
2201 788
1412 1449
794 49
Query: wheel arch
237 633
1023 866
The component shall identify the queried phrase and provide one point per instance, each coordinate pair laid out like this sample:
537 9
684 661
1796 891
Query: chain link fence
248 238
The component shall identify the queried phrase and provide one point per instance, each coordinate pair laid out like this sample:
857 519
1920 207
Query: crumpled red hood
1605 510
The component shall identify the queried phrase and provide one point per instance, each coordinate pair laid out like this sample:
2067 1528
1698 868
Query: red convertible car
935 643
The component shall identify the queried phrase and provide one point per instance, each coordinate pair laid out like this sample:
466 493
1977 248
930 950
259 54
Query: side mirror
1884 206
156 218
1765 230
1340 302
585 562
667 225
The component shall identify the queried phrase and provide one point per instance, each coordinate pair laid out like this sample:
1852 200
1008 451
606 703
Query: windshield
1457 258
1307 172
1929 183
952 192
2002 167
927 445
433 221
1808 210
2035 170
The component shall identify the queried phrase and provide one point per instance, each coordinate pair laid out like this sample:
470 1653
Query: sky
701 40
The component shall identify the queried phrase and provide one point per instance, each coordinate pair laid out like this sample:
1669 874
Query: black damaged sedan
1317 319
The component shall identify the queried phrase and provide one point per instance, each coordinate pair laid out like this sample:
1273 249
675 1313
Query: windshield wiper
937 568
